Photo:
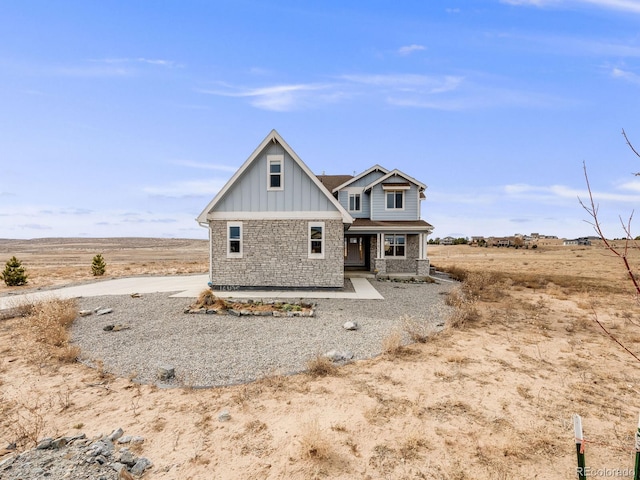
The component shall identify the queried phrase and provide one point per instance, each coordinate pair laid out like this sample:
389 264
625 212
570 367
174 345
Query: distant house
276 224
578 241
447 241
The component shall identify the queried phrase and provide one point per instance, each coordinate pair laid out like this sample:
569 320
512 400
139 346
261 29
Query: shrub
419 331
14 274
321 366
392 344
98 265
314 445
48 324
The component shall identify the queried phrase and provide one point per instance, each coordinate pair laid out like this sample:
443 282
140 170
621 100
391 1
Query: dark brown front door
355 251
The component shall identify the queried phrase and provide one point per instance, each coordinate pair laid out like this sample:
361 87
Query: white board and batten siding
250 193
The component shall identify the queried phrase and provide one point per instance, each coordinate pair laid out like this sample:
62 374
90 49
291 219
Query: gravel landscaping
215 350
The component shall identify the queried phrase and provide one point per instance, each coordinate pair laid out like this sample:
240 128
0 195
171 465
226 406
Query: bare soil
491 400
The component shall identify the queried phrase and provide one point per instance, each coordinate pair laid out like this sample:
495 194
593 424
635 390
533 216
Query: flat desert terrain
490 397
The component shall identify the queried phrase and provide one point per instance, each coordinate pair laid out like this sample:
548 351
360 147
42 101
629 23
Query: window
316 240
395 200
394 245
234 239
354 202
275 174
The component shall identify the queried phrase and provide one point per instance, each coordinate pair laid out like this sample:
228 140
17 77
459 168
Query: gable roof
273 136
358 177
391 174
332 181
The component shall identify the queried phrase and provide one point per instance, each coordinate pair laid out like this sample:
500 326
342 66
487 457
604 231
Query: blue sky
122 118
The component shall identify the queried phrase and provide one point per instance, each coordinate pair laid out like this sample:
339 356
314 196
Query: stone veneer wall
408 265
276 254
373 252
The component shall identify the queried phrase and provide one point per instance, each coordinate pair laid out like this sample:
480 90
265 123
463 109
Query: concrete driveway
184 285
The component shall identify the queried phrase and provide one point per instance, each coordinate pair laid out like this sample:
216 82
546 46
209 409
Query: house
276 224
585 241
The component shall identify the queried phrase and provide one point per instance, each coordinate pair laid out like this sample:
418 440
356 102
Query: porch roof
365 225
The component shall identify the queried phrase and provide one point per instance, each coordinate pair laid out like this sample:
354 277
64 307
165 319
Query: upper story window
316 240
354 202
275 172
395 199
234 239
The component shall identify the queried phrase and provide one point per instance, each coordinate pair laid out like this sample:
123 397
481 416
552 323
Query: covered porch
385 247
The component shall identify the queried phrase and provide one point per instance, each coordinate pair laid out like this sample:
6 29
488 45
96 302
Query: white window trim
404 199
231 254
354 194
394 257
322 240
275 159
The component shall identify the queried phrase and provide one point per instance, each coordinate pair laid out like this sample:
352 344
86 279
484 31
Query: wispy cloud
623 5
563 192
626 75
409 49
279 98
442 92
187 188
204 166
409 82
140 60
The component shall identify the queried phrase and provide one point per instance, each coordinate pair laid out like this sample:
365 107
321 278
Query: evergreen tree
98 265
14 274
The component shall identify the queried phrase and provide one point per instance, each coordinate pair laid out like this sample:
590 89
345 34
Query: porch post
421 249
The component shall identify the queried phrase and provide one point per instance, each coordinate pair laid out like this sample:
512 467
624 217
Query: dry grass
419 331
321 366
48 325
392 344
314 445
509 380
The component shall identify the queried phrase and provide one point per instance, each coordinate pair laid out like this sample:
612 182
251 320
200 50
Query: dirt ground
492 399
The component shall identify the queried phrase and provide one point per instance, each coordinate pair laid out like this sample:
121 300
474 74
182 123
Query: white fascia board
298 215
274 136
203 216
391 174
346 218
358 177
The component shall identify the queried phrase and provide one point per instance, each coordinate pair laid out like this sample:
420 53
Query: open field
490 399
58 261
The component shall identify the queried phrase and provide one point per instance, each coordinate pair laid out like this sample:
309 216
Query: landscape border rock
77 457
280 309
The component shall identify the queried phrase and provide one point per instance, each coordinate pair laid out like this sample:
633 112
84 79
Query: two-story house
276 224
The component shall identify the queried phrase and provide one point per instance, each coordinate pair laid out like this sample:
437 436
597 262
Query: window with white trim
316 239
395 200
354 202
275 172
234 239
394 245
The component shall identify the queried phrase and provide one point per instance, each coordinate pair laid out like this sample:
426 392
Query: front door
355 251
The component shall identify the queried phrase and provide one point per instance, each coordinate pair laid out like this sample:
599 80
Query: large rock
166 372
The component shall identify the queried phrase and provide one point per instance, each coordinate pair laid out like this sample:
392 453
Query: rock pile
77 457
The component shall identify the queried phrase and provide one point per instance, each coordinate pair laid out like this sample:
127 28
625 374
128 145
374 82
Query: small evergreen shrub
14 274
98 265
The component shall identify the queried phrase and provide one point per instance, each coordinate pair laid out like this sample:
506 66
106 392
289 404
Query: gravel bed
215 350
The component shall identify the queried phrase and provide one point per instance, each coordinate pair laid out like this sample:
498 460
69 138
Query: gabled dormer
395 196
351 194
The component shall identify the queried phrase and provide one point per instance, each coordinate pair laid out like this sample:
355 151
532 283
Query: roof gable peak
363 174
